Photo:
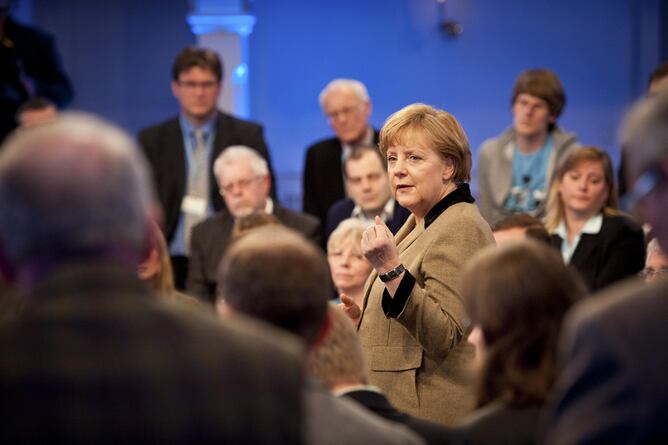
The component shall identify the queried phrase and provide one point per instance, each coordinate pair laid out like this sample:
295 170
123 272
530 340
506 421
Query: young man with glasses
244 182
181 150
346 104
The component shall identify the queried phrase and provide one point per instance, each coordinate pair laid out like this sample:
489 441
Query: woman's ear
448 170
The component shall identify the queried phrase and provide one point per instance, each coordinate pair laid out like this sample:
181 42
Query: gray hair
348 231
240 153
352 85
645 133
653 246
72 187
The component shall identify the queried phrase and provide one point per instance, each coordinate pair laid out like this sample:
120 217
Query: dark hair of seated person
245 224
518 294
534 227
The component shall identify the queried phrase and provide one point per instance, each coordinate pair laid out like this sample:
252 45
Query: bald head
275 274
76 186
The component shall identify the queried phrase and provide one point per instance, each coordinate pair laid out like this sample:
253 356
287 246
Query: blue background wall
119 54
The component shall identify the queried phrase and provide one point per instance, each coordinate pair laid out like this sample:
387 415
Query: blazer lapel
584 250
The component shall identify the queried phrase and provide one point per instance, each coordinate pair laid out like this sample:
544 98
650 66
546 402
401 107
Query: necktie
197 182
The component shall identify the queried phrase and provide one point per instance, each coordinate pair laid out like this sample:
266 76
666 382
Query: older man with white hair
94 356
244 182
346 104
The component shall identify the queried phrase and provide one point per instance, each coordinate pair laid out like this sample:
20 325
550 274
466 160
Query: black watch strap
391 275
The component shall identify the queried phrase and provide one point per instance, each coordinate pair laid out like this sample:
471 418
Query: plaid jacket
95 358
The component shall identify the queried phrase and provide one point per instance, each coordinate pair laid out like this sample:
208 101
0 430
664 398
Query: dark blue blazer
343 208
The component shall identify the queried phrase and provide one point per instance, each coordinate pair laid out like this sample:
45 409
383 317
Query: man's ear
266 184
223 309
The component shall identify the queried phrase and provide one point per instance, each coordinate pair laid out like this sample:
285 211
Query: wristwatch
391 275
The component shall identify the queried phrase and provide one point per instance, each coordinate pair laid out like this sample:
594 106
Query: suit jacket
420 359
616 252
35 53
163 146
376 402
323 176
613 387
495 171
94 357
498 423
334 420
343 209
210 240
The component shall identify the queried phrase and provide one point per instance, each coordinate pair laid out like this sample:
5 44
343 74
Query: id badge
193 205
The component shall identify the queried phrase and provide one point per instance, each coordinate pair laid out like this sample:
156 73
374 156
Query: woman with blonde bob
603 244
411 323
347 265
516 296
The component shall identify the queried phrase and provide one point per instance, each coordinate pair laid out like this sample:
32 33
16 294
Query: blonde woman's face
349 268
584 189
150 267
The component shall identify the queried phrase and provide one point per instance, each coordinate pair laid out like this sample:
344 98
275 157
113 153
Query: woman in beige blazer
411 321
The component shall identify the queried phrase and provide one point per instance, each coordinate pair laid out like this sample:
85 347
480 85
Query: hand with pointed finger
350 308
379 248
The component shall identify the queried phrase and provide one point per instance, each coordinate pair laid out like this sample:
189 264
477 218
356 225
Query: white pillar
227 34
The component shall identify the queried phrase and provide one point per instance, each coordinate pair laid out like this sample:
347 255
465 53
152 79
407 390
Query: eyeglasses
191 85
643 186
653 273
241 184
343 112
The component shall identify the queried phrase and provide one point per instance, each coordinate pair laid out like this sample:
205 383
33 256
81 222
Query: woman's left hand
379 248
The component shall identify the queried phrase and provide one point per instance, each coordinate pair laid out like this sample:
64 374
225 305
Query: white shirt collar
385 214
591 227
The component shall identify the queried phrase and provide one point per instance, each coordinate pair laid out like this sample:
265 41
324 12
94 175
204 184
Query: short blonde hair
435 128
555 205
348 232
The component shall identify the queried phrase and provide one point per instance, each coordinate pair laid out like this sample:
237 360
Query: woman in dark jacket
601 243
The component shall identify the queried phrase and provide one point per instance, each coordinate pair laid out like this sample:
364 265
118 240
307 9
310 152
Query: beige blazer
421 358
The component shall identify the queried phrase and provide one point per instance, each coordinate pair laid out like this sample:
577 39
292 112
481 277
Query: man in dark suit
368 186
275 275
182 149
338 362
346 104
93 356
613 387
244 183
30 67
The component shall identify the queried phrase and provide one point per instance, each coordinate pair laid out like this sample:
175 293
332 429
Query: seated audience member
156 271
247 223
346 104
518 227
36 111
516 296
94 357
368 186
613 386
515 169
275 275
244 182
593 236
347 265
182 149
656 262
338 361
657 80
